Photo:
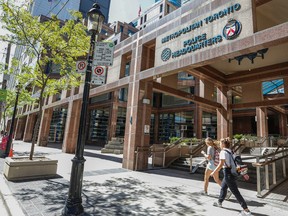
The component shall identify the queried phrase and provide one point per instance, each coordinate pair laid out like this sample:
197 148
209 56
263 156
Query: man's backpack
237 166
216 157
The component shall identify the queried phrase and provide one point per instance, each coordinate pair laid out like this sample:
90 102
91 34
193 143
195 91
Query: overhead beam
276 71
266 103
208 73
184 95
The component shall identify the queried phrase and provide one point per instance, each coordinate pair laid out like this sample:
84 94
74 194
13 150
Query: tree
45 43
24 99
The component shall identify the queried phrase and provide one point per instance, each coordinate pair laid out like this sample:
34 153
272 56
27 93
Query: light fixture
250 56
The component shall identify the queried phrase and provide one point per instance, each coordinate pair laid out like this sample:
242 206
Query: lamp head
252 56
95 19
239 59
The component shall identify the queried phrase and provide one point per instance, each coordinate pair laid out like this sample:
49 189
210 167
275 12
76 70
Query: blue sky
127 10
122 10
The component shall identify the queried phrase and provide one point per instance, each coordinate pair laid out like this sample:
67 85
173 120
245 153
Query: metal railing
196 151
266 181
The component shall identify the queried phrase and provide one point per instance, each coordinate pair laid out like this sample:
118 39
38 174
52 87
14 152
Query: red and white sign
98 75
81 66
99 70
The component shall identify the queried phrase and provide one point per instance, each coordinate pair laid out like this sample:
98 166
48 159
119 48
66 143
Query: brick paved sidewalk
110 190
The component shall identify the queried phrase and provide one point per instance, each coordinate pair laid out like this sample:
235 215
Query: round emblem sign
232 29
166 54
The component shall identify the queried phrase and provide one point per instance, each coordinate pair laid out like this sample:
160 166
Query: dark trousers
229 181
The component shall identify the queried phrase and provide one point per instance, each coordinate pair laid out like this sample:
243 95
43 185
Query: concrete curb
11 204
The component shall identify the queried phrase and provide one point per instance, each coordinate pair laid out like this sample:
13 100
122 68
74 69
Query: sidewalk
108 189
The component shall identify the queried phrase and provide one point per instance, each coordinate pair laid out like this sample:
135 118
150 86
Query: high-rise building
176 3
62 7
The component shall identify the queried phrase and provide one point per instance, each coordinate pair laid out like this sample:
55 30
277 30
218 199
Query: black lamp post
73 205
10 135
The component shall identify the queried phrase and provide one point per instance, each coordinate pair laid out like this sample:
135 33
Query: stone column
72 126
20 128
262 123
199 91
137 120
283 124
45 127
224 114
113 115
30 123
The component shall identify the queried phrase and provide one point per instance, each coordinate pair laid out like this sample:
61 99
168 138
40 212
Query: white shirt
226 156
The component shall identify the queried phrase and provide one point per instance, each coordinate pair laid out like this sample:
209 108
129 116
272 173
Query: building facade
210 68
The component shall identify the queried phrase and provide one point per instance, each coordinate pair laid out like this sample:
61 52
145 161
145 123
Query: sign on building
81 66
98 75
103 54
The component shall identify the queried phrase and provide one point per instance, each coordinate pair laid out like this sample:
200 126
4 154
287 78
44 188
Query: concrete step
117 139
111 151
118 146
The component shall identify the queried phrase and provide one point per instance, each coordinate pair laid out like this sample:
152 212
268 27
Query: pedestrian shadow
237 210
249 202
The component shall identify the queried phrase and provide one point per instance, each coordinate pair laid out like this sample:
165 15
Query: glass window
273 87
98 126
123 94
161 8
121 121
209 125
127 69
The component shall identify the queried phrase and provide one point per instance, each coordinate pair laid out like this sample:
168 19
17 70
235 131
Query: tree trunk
37 125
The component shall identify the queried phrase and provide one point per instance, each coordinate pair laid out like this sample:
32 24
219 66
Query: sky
120 10
127 10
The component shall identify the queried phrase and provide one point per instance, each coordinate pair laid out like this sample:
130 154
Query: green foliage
42 43
238 136
173 139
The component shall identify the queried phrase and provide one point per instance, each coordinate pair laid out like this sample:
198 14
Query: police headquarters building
210 68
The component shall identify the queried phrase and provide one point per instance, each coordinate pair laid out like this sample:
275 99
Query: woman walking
211 166
229 181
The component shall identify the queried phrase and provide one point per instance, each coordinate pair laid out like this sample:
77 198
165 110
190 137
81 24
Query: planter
21 168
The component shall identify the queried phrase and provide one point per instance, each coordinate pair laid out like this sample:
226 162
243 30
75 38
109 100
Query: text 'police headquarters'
200 41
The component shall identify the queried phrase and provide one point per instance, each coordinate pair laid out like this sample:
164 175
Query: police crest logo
232 29
166 54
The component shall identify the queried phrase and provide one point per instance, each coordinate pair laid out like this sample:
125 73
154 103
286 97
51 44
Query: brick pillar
20 128
283 125
72 126
262 122
113 115
45 127
137 119
29 127
198 121
199 91
224 114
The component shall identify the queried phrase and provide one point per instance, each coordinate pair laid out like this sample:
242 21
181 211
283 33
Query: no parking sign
81 66
98 75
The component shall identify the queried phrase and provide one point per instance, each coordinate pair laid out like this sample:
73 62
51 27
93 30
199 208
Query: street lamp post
73 205
10 135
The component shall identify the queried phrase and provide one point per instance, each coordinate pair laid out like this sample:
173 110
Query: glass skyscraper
62 7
